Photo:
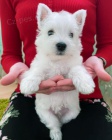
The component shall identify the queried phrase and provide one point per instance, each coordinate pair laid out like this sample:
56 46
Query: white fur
58 107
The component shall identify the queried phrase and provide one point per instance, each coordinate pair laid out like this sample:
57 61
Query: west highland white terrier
58 53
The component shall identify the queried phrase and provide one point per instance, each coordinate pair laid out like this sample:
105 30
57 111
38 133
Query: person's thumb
101 73
14 73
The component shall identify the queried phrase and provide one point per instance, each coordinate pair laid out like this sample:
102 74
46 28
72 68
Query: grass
3 106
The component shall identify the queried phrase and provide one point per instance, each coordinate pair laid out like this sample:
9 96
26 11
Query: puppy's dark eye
71 35
50 32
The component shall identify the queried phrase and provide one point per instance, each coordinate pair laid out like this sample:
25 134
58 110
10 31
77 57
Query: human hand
15 73
94 66
57 83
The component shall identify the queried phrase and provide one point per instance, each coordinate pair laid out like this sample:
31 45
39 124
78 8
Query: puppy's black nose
61 46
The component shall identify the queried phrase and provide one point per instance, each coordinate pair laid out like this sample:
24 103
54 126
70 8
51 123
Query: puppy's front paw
29 86
85 85
87 88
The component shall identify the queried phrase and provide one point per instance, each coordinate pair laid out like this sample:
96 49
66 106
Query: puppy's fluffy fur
58 53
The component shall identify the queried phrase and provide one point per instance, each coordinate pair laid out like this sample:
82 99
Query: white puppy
58 53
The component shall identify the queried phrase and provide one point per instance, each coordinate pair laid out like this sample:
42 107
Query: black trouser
20 122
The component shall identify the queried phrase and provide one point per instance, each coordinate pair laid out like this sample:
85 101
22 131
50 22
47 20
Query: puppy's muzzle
61 46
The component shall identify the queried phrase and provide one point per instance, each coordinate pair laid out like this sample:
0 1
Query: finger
65 82
10 77
101 73
14 73
67 88
47 84
57 78
56 89
62 88
45 91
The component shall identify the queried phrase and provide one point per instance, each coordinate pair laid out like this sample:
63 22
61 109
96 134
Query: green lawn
3 106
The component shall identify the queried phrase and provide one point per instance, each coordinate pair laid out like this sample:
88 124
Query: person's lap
91 124
23 123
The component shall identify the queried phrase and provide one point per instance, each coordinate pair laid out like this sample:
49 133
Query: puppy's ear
80 17
42 12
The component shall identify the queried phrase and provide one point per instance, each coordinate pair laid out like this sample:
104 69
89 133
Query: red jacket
19 25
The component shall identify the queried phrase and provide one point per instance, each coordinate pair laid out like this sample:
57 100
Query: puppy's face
59 33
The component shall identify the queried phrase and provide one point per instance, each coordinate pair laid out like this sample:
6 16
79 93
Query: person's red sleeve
10 36
104 30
